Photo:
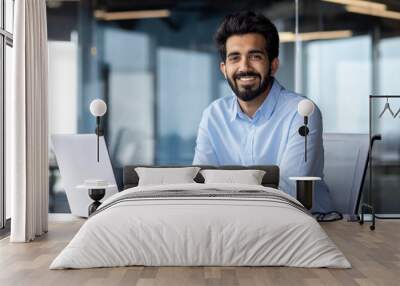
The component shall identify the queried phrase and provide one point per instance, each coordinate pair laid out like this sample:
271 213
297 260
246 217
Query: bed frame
270 179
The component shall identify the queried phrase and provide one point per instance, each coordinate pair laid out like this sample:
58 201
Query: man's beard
250 93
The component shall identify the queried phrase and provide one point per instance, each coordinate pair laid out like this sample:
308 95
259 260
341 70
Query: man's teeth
247 78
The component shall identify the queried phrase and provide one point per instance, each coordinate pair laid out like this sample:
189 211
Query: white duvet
200 231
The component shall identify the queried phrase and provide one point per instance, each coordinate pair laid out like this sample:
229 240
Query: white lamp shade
305 107
98 107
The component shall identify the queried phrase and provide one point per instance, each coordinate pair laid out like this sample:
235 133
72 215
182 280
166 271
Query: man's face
247 67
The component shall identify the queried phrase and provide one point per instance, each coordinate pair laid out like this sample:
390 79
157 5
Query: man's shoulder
289 100
290 97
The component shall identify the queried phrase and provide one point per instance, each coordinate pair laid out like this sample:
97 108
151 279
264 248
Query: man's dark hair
248 22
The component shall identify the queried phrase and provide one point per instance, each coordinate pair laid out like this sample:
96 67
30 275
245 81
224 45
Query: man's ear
274 66
223 69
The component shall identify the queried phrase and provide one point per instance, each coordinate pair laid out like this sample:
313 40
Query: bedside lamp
305 185
305 108
98 108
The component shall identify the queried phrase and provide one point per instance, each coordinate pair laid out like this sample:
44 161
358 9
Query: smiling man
258 125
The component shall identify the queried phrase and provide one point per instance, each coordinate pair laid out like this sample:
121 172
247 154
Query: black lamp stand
303 131
304 192
96 195
99 132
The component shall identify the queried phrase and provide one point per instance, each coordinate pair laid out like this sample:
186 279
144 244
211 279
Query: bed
198 224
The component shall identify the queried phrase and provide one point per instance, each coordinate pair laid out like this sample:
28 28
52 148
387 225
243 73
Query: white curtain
28 148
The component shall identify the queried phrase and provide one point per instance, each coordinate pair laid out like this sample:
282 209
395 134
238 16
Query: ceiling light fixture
286 37
367 8
372 12
360 3
130 15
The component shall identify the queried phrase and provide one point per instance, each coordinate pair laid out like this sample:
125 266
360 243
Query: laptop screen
76 156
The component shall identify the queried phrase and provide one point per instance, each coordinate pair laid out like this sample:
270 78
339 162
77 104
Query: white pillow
248 177
165 176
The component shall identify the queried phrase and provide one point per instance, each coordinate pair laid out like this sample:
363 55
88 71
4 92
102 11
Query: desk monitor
77 160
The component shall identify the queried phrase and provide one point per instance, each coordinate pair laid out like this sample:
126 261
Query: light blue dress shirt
227 136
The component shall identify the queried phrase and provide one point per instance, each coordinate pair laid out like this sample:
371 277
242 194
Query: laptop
76 156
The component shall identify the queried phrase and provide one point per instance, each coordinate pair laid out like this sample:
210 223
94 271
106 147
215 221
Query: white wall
63 73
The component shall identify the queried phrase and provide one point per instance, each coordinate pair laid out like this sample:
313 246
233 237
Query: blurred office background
155 64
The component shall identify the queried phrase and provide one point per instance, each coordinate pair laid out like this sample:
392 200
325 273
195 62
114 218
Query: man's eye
256 57
233 58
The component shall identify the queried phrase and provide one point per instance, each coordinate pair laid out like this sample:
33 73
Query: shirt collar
267 107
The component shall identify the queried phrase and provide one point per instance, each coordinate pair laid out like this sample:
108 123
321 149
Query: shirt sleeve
204 151
292 163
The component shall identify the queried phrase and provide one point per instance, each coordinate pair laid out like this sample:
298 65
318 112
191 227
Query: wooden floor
374 255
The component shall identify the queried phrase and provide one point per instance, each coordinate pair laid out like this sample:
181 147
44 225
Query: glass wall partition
157 72
157 67
386 155
345 61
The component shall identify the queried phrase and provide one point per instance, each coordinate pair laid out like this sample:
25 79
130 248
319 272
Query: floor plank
374 255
